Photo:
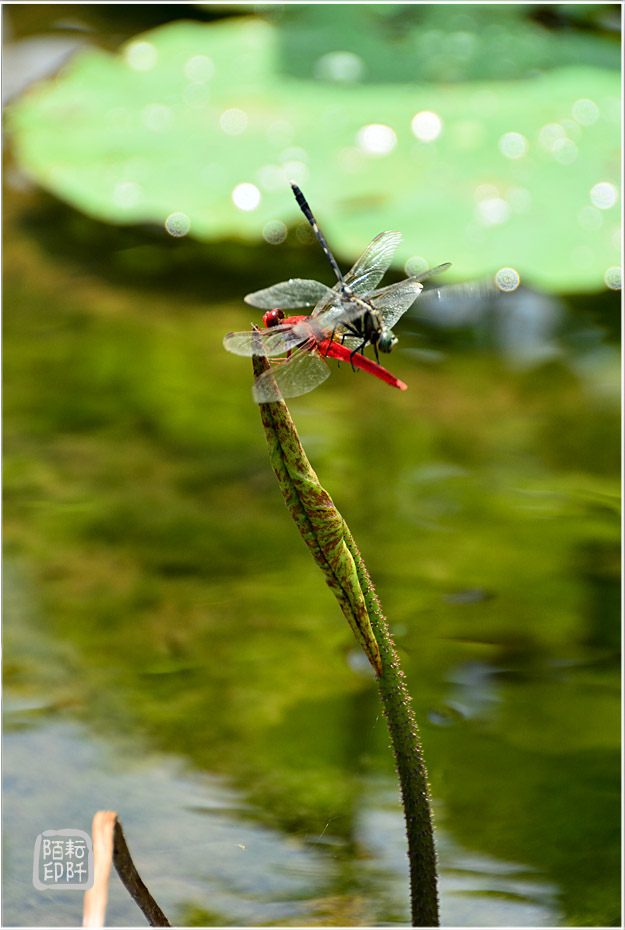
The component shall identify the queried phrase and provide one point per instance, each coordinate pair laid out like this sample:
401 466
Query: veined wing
390 302
373 263
360 279
333 298
338 311
274 341
299 374
288 295
393 301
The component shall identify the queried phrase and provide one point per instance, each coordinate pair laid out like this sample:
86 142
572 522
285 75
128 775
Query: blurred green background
170 650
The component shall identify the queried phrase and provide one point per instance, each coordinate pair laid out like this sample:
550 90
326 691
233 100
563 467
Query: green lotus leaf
198 122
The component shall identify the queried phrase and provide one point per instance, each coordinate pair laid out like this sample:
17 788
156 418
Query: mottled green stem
411 770
319 522
333 548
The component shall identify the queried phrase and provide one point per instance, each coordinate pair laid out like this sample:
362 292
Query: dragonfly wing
276 341
298 375
332 316
332 298
431 272
373 263
336 308
471 291
297 292
393 301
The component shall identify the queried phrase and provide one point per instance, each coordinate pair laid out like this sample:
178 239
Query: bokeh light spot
614 278
462 44
603 195
426 126
493 211
271 177
157 117
484 191
507 279
177 224
617 238
199 68
305 234
246 196
549 134
572 129
274 232
296 170
339 66
513 145
376 139
586 112
233 121
564 151
141 56
416 264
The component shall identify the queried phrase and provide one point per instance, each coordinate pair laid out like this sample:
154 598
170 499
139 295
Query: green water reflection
159 595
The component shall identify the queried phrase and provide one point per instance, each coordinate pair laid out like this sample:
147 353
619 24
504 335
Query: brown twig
109 843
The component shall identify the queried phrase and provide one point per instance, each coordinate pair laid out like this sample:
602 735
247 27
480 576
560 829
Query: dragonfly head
387 340
273 318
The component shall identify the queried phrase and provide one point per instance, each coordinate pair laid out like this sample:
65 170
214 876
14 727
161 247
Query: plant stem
325 533
409 760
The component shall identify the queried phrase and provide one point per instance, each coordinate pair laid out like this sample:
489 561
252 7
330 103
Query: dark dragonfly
354 312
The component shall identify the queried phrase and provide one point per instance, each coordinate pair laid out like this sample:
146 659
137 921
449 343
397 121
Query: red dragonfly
307 345
344 319
360 314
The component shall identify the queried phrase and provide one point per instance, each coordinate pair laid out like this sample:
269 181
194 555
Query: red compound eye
273 317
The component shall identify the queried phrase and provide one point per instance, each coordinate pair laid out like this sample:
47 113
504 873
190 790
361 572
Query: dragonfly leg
358 351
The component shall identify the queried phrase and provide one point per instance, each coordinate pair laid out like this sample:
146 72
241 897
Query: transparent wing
359 280
430 272
469 292
373 263
390 302
299 374
334 298
297 292
334 315
274 341
393 301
